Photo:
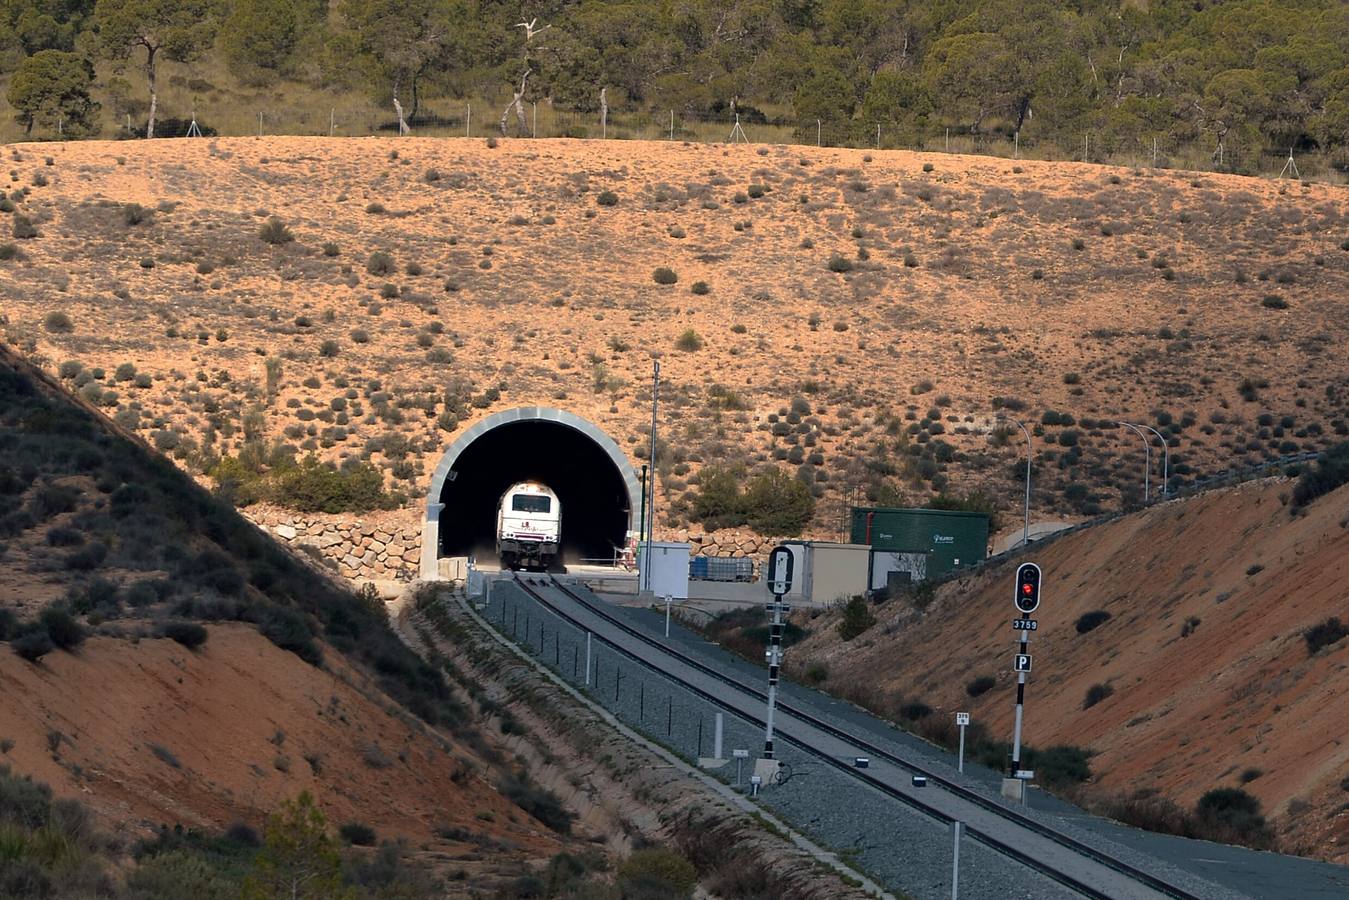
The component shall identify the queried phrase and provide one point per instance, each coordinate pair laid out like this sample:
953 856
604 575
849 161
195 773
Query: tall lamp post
1025 533
1166 456
1147 455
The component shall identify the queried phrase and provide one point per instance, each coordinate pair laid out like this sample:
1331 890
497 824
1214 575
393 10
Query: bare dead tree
604 112
402 122
518 105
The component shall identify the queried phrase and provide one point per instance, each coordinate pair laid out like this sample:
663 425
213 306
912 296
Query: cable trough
1004 846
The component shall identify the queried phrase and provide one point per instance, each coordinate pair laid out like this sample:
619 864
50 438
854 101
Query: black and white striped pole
1027 600
780 564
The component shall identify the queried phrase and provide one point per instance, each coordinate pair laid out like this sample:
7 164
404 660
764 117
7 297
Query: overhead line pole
651 506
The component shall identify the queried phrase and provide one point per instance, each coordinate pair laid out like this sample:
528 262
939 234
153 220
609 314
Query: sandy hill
115 694
1209 679
859 317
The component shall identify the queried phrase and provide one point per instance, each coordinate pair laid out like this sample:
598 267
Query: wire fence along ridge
544 120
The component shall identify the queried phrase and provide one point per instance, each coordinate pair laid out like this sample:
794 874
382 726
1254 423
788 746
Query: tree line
1236 77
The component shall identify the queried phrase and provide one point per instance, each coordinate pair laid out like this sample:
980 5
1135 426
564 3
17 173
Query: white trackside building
529 526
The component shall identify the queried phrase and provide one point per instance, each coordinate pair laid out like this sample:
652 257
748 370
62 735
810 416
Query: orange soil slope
1188 712
152 733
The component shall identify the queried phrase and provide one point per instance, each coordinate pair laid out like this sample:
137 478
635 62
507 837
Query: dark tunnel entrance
594 490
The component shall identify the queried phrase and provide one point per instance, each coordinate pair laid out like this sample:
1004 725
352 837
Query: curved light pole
1025 533
1166 460
1147 455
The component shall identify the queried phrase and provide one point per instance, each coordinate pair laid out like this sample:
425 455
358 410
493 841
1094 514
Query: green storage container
950 539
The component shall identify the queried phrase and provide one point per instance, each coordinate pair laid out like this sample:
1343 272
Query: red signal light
1027 589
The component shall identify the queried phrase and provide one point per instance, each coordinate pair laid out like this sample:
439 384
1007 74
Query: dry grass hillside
1201 675
858 317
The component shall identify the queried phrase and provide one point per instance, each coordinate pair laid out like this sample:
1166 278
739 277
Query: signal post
780 565
1027 600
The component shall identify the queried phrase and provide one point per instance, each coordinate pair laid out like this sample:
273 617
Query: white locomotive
529 526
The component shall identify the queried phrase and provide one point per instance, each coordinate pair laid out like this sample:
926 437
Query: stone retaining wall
386 546
380 546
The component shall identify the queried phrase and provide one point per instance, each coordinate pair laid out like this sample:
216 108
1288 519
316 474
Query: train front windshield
531 503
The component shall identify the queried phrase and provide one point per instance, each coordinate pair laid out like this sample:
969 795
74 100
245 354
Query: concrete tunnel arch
596 484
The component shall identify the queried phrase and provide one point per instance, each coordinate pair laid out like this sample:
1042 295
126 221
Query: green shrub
1273 301
315 486
288 629
1324 634
1087 621
10 251
23 227
189 634
657 873
1331 471
380 263
1235 810
777 505
32 645
1095 694
689 341
58 323
330 249
1060 766
329 349
65 632
816 673
664 275
275 232
607 198
700 288
980 686
857 618
537 802
357 834
914 710
839 263
135 214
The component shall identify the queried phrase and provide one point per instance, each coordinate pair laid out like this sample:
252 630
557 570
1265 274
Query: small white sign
740 754
861 762
1025 774
962 718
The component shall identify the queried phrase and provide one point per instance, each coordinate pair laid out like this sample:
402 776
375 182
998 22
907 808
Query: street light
1147 455
1025 533
1166 458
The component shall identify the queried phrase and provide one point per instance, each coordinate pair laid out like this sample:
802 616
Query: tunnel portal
594 482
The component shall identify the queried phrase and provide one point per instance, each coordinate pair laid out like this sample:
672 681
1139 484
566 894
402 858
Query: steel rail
1082 849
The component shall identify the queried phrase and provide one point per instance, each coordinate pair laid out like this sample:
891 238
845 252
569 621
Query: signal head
1027 587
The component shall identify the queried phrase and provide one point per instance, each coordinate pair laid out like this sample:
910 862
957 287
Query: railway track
1006 844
